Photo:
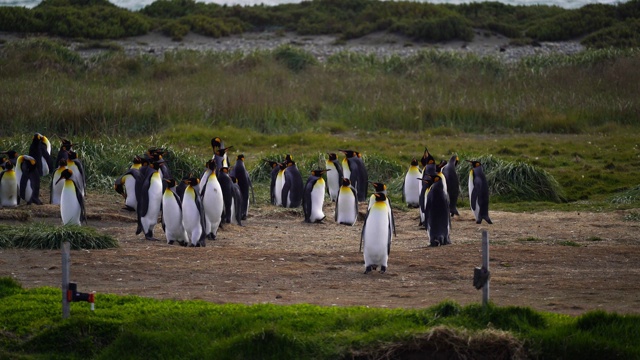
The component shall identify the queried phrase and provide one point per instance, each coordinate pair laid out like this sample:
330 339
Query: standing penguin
29 181
40 150
428 164
275 169
292 188
376 235
479 192
217 144
63 154
346 212
379 187
437 221
212 202
334 176
412 186
8 186
453 184
313 199
125 185
353 168
149 196
72 208
56 187
77 168
226 184
193 214
236 202
244 182
279 184
427 181
172 215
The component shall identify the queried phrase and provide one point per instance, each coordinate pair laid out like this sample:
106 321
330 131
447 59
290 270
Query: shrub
572 24
293 58
19 19
46 236
214 27
620 35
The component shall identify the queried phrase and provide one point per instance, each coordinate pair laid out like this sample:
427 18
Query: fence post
485 264
66 251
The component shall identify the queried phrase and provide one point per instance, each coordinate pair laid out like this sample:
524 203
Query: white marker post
66 251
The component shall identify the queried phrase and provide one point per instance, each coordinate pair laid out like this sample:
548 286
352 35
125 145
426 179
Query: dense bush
19 19
570 25
213 27
621 35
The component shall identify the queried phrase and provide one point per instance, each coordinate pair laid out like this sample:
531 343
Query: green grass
46 236
131 327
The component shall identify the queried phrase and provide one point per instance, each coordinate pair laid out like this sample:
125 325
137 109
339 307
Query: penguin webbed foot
170 242
383 269
367 269
150 238
128 208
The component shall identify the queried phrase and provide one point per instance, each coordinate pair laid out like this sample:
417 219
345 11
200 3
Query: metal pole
66 251
485 264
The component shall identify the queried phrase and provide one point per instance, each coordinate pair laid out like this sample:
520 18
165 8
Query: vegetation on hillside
604 25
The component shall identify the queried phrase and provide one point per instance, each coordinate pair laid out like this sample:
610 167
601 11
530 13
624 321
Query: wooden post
66 251
485 264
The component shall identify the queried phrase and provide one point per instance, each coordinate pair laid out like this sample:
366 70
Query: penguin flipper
80 198
335 213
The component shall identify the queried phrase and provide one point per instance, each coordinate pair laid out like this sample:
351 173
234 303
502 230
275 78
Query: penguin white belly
474 207
376 237
75 175
234 218
278 188
346 171
172 218
333 181
412 187
347 207
70 209
9 190
213 204
45 167
28 191
56 190
130 189
317 201
155 200
191 217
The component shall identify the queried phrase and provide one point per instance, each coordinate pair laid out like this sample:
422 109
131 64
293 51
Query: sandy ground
565 262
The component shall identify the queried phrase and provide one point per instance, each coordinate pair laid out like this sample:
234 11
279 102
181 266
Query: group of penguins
194 208
20 179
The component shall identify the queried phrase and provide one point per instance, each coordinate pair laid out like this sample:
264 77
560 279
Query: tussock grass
513 181
627 197
45 236
127 326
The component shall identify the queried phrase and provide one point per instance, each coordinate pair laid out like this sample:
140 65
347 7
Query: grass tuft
45 236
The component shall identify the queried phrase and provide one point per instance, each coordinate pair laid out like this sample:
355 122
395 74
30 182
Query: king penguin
125 185
172 215
292 188
354 169
275 169
236 202
40 150
149 196
279 184
8 186
56 187
313 199
479 192
428 164
72 208
334 176
212 202
226 184
412 186
29 181
193 214
438 222
346 212
453 184
376 235
217 144
379 187
241 174
75 165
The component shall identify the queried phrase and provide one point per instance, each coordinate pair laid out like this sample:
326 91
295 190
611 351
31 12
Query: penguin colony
194 208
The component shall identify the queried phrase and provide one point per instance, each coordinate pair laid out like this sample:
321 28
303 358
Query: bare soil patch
565 262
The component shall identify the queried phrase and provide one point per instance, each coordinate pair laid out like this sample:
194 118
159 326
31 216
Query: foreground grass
135 328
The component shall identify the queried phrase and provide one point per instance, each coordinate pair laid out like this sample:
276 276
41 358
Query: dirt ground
277 258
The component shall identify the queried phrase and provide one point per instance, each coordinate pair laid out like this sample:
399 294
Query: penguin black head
29 161
442 164
378 186
414 162
288 160
240 157
211 165
474 163
380 196
348 153
11 153
62 162
171 182
72 155
216 143
224 169
427 181
427 158
65 174
332 156
346 182
222 151
318 172
193 181
8 165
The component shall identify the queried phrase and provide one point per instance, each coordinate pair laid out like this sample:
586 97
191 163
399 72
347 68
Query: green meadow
553 132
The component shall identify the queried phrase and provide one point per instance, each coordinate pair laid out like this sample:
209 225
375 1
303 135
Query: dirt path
564 262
